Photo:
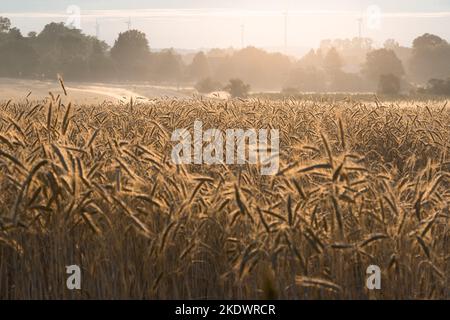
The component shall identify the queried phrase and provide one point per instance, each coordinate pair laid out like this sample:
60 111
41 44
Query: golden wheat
360 183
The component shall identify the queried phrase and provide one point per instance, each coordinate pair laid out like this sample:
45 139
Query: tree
131 54
166 66
403 53
63 51
382 62
18 57
391 44
428 40
237 88
15 33
101 66
5 24
199 68
346 82
352 51
313 59
308 79
430 58
389 84
332 62
257 67
69 52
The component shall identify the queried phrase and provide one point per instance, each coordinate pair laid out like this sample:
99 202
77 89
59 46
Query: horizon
266 24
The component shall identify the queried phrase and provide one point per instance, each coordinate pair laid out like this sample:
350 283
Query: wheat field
360 183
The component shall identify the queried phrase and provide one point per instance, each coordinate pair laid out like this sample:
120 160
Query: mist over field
246 150
368 53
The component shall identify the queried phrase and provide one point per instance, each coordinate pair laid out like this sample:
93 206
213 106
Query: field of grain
360 183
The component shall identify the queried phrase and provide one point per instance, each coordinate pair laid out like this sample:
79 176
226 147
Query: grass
360 183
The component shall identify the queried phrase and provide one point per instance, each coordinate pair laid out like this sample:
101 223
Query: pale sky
193 24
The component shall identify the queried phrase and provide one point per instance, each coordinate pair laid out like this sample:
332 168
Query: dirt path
83 93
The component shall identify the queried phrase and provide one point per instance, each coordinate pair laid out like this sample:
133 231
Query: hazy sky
211 23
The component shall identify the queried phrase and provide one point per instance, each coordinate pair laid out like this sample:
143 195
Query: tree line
337 65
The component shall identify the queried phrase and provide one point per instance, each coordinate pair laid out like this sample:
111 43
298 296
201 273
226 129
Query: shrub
207 85
437 87
389 84
237 88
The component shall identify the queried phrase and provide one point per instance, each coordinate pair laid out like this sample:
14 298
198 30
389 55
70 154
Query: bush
437 87
207 85
389 84
237 88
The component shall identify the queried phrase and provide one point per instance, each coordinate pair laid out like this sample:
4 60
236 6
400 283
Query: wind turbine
360 23
286 31
97 29
242 35
128 23
286 14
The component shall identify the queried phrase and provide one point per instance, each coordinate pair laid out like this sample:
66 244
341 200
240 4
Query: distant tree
261 69
352 51
199 68
332 62
313 59
15 33
59 48
18 58
237 88
166 66
307 79
428 40
207 85
391 44
389 84
131 54
5 24
32 34
381 62
69 52
346 82
430 58
101 66
403 53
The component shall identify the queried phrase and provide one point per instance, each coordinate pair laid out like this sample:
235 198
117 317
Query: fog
286 47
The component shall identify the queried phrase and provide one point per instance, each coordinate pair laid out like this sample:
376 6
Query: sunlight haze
268 24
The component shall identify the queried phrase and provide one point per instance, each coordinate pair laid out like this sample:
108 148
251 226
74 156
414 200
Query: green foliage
165 66
57 49
199 68
5 24
332 62
382 61
18 58
437 87
389 84
131 54
335 66
262 69
307 79
430 58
